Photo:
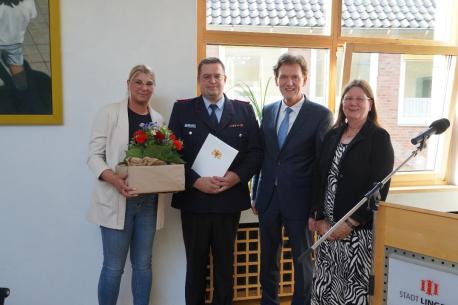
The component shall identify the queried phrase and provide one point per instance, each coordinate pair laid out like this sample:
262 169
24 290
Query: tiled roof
408 14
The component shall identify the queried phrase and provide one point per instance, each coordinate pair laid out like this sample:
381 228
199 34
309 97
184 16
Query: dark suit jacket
289 170
239 128
369 158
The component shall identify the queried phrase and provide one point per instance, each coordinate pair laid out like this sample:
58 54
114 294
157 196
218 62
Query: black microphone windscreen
440 125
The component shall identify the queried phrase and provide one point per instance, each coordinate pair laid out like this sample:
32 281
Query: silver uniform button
190 133
240 135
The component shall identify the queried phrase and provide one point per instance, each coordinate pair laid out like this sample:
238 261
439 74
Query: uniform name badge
214 157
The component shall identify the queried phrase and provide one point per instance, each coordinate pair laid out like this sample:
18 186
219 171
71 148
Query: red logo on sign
429 287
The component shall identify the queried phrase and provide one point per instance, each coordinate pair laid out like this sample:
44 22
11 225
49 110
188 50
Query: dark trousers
202 232
270 225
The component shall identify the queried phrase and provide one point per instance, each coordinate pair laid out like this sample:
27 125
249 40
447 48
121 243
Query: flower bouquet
153 161
154 145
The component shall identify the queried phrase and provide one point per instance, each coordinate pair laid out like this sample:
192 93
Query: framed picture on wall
30 63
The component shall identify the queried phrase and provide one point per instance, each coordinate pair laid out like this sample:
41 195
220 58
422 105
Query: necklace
349 134
352 131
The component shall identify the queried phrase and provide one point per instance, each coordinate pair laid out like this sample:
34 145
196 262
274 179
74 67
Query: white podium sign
412 282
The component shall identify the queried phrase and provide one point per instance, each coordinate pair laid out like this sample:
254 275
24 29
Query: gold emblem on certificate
214 157
217 153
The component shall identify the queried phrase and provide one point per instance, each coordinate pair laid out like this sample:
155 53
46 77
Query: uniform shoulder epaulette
240 101
184 100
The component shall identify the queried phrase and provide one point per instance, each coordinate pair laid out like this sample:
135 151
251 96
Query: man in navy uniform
210 206
292 130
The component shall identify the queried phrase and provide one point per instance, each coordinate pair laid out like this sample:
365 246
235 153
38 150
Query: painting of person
25 82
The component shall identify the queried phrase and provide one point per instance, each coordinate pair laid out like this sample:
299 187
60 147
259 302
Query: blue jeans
138 235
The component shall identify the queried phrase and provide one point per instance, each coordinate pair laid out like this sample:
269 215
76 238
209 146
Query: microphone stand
372 197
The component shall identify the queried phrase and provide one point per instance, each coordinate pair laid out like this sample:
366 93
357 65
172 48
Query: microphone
4 293
436 127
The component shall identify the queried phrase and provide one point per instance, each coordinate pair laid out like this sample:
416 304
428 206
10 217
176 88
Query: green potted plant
258 102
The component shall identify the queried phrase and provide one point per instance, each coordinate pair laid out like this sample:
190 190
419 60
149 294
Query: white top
14 21
108 145
292 115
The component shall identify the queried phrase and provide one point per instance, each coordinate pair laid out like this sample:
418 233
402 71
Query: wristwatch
348 222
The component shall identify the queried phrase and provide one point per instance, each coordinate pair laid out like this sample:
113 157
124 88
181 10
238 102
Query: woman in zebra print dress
355 153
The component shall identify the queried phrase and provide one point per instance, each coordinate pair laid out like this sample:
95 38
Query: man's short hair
207 61
289 59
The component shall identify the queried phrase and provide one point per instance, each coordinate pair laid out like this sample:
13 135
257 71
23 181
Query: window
415 91
253 66
406 101
406 49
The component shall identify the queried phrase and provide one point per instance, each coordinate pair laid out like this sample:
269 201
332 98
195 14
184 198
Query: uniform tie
213 118
284 126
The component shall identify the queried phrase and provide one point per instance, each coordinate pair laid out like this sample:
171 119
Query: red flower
178 144
172 137
140 136
159 136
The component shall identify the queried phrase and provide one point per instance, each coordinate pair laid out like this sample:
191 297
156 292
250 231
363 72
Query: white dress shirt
293 114
218 111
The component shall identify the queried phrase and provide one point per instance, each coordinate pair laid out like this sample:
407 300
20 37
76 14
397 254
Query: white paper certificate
214 157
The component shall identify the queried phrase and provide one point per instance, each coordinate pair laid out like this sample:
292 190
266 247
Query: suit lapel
274 114
202 113
228 113
361 135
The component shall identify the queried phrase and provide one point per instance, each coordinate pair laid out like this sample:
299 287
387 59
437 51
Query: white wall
49 253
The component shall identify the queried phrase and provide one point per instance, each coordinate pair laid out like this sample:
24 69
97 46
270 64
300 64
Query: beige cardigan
109 141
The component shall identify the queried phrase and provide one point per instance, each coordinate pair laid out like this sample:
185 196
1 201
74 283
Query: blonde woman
127 221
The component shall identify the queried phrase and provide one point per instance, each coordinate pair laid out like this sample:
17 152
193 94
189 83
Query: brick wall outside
387 108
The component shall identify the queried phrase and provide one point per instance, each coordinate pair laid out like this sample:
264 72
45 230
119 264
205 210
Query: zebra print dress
342 268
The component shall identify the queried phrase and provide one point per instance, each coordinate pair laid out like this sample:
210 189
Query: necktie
213 118
283 130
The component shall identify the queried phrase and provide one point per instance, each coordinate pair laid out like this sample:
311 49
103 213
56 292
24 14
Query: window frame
332 42
403 119
417 178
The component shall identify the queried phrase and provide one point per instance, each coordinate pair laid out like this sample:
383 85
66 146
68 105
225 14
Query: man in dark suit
211 206
292 130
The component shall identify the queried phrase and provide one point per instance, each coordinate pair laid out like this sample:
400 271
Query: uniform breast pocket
191 133
235 138
193 138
